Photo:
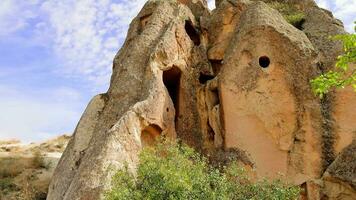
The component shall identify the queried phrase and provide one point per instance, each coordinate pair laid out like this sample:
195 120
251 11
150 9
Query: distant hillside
26 170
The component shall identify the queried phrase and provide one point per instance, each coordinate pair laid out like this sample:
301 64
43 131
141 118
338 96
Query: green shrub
7 185
290 13
344 72
172 171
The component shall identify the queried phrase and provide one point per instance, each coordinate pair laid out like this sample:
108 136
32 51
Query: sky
56 54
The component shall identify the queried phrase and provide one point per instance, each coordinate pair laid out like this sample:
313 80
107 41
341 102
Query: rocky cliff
232 83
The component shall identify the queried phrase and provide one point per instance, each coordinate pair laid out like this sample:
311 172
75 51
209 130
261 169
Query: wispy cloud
32 117
85 35
211 4
344 10
14 15
88 33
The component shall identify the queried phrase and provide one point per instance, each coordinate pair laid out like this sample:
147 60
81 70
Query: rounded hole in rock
150 135
264 61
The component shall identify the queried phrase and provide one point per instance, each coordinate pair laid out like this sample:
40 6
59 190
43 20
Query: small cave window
216 100
144 21
203 78
192 33
264 61
299 24
216 65
150 135
171 79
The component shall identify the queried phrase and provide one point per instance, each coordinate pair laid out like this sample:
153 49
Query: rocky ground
26 169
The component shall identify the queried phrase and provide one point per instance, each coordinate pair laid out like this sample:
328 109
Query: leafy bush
171 171
290 13
344 73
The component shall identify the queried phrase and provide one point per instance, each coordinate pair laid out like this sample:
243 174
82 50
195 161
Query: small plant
17 176
290 12
344 73
7 185
171 171
38 161
10 167
27 191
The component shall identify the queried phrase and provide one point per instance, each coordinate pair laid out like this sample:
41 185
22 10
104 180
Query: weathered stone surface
233 83
345 118
319 26
221 26
158 47
263 107
340 177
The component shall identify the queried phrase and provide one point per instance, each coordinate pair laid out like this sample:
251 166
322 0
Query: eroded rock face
340 177
261 85
232 83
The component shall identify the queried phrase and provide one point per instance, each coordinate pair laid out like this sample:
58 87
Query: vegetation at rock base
344 73
38 160
7 185
290 12
17 175
171 171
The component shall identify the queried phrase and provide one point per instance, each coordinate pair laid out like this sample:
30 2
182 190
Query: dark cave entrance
203 78
150 135
264 61
299 24
216 65
192 33
171 79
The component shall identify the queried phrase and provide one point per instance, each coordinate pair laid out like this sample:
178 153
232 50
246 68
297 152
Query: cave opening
192 32
264 61
216 65
216 99
171 79
203 78
150 135
299 24
144 21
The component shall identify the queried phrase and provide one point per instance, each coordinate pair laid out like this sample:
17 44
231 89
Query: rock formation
232 82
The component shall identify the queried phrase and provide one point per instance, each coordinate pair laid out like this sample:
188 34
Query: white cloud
14 15
211 4
39 115
345 10
324 4
87 34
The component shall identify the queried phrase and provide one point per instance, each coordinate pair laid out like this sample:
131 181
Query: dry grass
38 161
54 145
9 142
12 167
18 176
25 172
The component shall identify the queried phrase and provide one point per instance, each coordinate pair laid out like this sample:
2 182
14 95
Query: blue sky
56 54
